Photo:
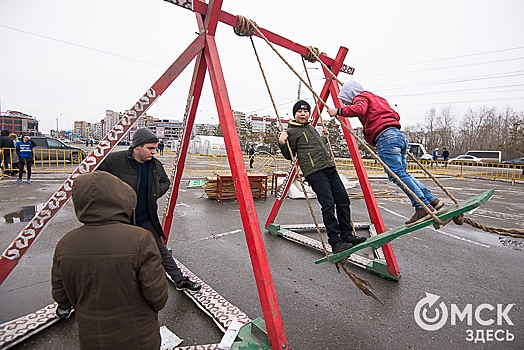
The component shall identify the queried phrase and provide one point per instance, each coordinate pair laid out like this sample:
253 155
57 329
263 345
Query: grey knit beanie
142 135
350 89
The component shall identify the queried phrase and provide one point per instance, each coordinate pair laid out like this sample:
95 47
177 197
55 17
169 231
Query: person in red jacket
382 129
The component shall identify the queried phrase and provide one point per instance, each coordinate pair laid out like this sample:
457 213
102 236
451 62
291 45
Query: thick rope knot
312 55
459 219
245 26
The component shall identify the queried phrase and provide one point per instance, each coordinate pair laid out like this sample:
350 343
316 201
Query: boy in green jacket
320 172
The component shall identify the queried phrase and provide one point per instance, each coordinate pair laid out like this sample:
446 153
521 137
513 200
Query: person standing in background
6 145
24 151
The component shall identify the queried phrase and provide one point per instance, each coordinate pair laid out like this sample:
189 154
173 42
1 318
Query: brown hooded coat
108 270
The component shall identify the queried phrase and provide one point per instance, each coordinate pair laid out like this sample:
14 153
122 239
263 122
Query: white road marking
220 235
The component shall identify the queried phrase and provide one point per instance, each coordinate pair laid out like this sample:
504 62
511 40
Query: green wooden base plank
379 267
253 336
446 214
274 229
196 183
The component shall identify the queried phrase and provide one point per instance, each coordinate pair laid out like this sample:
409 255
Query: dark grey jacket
123 165
308 146
5 140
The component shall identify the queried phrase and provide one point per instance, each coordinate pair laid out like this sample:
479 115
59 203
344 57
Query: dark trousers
21 169
167 260
332 197
6 163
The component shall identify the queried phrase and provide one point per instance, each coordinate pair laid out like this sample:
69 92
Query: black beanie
301 105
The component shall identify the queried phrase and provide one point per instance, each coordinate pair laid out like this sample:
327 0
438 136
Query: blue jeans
392 148
332 197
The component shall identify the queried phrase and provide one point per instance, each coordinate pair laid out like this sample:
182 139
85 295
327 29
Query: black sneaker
340 247
354 240
187 284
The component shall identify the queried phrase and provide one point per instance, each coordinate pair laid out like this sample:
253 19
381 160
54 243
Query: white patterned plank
17 330
213 304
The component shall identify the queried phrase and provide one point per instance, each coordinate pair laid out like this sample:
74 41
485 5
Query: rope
433 178
312 55
290 151
315 54
512 232
245 26
362 284
460 219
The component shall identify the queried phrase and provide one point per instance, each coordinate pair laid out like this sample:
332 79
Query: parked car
418 151
514 161
51 149
465 159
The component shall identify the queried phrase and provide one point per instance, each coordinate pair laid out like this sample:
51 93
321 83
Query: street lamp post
56 131
300 81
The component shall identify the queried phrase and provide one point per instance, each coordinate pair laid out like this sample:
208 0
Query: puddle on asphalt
23 215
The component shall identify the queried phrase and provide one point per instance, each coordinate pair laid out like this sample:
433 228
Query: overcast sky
73 60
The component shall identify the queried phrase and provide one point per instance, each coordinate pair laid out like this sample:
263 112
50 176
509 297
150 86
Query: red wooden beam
255 243
201 7
12 255
365 185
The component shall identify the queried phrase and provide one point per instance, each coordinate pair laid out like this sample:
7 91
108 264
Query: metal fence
45 160
197 165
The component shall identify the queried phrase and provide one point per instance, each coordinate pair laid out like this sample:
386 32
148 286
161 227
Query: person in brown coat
108 271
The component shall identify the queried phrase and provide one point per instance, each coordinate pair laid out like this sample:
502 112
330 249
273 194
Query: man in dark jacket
108 271
138 167
382 129
319 169
7 146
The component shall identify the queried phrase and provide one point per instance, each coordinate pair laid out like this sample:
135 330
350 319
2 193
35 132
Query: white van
487 156
418 151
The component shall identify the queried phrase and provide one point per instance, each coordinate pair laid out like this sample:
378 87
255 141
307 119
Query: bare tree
445 126
335 136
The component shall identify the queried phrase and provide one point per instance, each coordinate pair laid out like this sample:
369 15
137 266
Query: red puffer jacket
374 112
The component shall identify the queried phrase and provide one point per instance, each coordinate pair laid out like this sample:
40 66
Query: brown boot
419 216
437 204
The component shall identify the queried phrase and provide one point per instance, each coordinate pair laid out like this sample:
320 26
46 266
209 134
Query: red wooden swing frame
204 49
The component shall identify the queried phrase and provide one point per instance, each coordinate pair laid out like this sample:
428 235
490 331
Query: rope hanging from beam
312 55
363 285
245 26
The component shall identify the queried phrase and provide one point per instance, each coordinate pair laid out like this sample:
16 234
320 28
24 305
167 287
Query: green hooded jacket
308 146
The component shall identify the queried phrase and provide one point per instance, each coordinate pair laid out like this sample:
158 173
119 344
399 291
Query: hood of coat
101 197
350 89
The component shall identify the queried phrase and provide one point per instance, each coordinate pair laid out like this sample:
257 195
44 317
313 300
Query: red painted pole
367 190
255 243
183 143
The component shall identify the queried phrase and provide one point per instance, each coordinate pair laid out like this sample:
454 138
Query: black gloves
63 312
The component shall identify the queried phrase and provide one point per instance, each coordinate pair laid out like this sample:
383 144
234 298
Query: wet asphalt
321 308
